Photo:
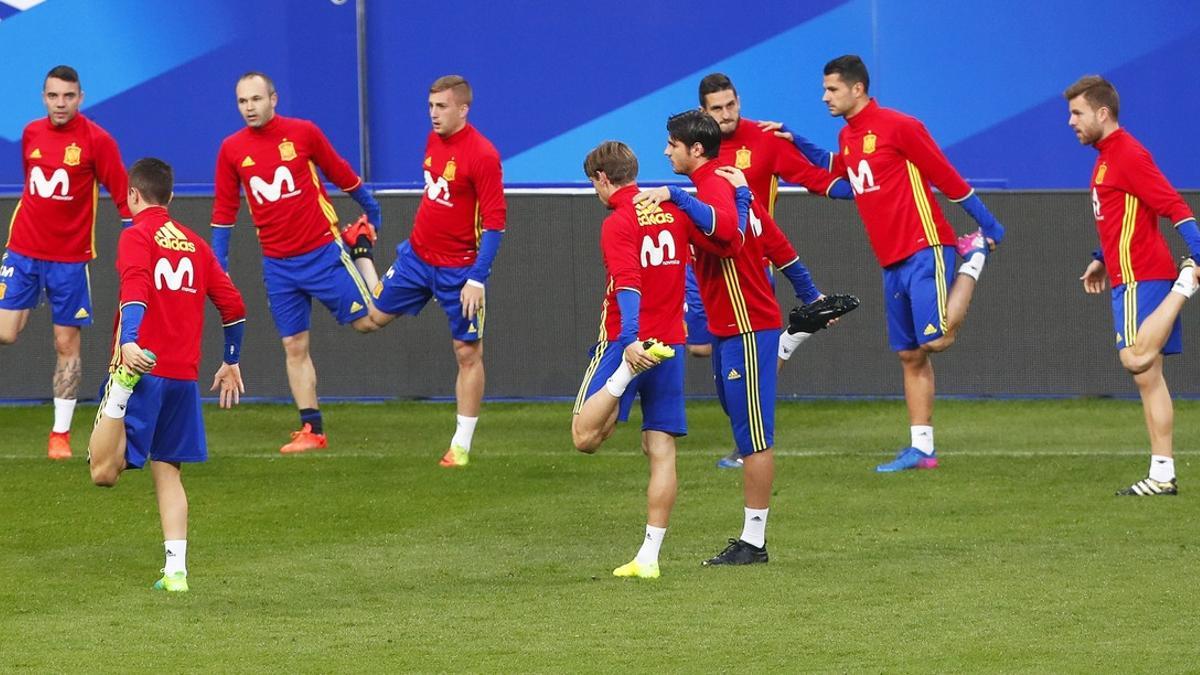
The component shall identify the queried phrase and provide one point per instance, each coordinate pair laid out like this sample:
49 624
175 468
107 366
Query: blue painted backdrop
552 79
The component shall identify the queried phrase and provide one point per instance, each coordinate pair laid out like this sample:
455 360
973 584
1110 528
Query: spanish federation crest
449 171
869 144
742 158
72 154
1100 173
287 151
428 162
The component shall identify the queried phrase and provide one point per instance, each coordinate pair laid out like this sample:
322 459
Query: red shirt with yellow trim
167 268
64 168
645 249
1129 193
765 158
891 160
465 198
276 166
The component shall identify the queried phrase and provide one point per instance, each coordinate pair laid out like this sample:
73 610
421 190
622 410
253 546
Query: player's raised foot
731 461
59 446
1148 487
176 582
359 228
969 244
637 570
817 314
1185 283
909 458
128 377
738 552
657 350
304 440
455 457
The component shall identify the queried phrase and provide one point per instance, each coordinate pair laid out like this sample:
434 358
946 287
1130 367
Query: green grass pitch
1013 556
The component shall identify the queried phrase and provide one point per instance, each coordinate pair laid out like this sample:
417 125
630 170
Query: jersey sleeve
489 189
718 195
792 166
619 246
133 268
225 190
333 165
921 150
1147 182
221 291
110 171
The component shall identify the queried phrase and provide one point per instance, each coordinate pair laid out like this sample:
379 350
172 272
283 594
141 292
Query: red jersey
765 158
737 295
645 250
891 159
1129 193
168 269
466 198
276 166
64 168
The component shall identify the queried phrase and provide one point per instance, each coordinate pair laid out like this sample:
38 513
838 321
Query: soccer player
891 162
1129 194
455 238
166 272
52 236
274 160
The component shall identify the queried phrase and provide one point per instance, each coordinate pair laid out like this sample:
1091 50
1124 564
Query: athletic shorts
744 372
1139 299
163 422
661 388
326 274
693 311
914 294
67 286
410 282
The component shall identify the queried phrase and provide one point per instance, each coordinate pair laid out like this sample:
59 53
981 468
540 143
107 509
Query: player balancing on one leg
65 156
455 238
891 162
1129 194
274 160
166 272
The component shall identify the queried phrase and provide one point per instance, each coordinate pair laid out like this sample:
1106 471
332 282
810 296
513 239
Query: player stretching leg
166 272
1129 194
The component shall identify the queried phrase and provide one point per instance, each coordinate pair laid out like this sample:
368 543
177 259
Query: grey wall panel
1031 330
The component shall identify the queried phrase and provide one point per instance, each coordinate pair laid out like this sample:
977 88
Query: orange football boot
59 446
304 440
359 227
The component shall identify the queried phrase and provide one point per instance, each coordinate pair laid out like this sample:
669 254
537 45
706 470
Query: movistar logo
46 188
660 251
864 180
437 190
176 278
281 186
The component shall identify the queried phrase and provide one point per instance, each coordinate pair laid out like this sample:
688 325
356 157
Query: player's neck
1109 132
860 106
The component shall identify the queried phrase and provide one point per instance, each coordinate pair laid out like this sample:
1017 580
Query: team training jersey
64 168
465 198
276 166
1129 193
891 159
170 270
737 294
645 248
765 158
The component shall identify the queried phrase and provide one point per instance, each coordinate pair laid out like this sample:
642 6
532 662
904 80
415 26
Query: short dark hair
266 78
1098 92
851 69
615 159
696 126
153 178
64 73
456 84
713 83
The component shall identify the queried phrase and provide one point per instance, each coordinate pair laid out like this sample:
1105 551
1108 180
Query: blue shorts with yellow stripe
67 287
410 283
1132 303
744 372
326 274
914 294
661 388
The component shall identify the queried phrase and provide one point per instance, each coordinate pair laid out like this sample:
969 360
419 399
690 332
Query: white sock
754 530
788 342
464 432
648 554
619 380
176 556
922 438
118 398
1162 469
1185 283
64 409
973 267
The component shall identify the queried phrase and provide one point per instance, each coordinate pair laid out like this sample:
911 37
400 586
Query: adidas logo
354 307
247 162
1118 338
930 329
472 329
81 314
734 375
756 519
36 154
171 238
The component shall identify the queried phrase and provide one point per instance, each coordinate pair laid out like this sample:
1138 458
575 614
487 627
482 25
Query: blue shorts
326 274
163 422
1140 299
744 371
693 311
409 284
67 287
914 293
661 388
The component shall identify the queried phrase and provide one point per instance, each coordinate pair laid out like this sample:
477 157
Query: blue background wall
552 79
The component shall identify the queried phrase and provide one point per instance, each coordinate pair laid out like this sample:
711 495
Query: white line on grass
335 454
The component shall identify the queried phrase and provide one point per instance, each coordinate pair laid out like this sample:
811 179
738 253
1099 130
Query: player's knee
380 319
586 442
104 476
296 347
66 345
913 358
1134 362
469 354
700 351
365 324
939 345
8 336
